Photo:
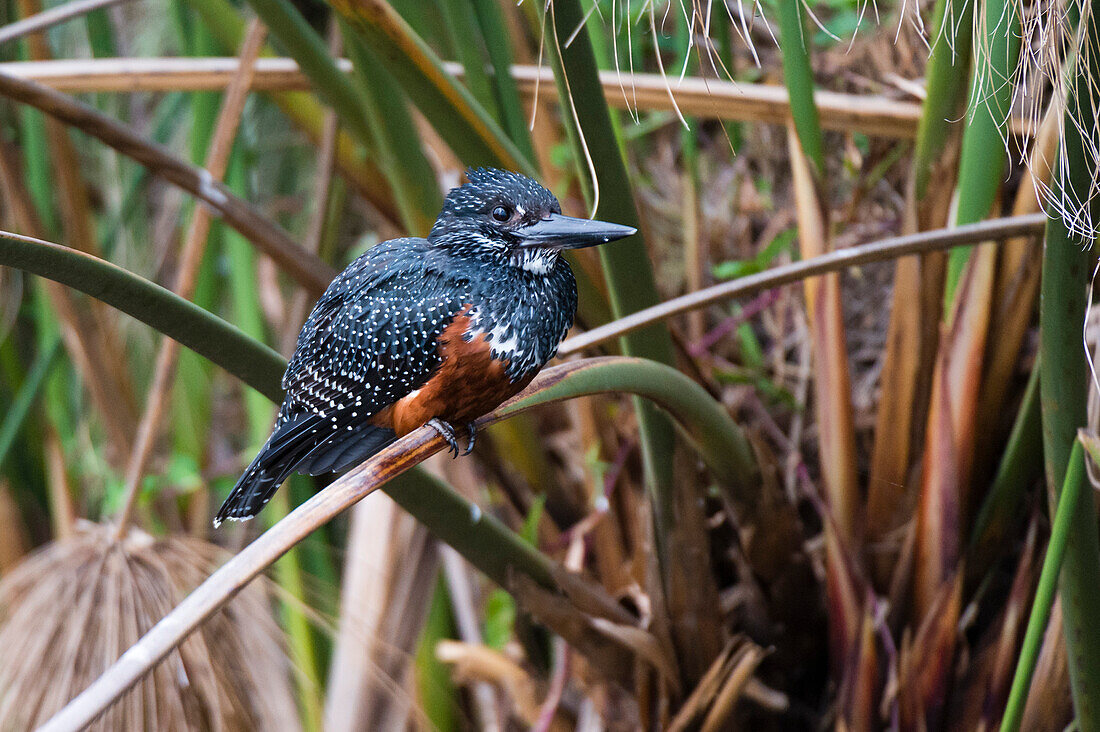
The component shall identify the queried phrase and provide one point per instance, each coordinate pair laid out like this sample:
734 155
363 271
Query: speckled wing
373 336
371 339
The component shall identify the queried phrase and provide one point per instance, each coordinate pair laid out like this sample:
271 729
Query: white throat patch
535 260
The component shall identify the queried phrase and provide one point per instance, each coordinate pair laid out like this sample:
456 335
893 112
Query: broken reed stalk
272 240
217 160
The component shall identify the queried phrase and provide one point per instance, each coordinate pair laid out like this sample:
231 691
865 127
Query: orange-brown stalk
217 160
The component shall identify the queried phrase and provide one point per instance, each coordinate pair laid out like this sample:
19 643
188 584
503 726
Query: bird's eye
500 213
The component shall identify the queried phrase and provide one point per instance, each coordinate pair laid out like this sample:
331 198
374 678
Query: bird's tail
305 444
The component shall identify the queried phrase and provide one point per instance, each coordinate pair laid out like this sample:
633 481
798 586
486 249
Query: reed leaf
372 110
1064 374
459 22
463 124
917 303
199 330
190 406
435 690
630 281
1068 502
799 79
716 437
945 82
225 23
945 490
398 147
1019 269
1019 468
983 152
513 117
310 51
23 400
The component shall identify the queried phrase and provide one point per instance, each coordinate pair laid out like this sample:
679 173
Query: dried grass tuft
72 608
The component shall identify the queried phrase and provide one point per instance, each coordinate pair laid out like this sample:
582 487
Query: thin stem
53 16
694 96
320 220
1048 587
310 271
900 246
217 158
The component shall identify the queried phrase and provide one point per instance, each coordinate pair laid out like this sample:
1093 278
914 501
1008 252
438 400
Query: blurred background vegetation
895 530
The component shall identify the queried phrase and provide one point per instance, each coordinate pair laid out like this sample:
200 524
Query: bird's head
509 218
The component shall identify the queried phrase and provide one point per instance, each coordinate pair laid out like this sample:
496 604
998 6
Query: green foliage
733 269
800 82
1069 502
20 405
983 145
500 617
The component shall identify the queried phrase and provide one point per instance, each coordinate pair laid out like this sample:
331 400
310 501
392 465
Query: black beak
566 232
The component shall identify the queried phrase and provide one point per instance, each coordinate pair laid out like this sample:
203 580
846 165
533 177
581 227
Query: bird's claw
471 430
447 432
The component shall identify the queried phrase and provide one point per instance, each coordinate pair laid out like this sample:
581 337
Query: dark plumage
417 331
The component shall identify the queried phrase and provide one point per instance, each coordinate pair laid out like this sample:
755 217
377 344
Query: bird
431 331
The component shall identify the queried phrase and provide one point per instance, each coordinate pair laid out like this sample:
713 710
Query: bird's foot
471 430
447 432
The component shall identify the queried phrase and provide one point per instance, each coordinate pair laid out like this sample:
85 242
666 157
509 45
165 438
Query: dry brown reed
704 98
70 609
